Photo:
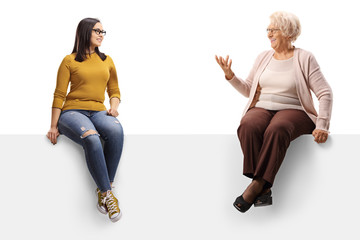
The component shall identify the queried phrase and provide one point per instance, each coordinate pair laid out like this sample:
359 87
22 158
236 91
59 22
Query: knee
113 132
248 127
117 129
88 133
91 140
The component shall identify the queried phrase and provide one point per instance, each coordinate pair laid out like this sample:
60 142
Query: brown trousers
265 136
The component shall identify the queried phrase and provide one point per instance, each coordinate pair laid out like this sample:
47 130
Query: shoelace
111 203
102 198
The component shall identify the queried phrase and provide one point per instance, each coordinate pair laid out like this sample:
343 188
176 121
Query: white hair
288 23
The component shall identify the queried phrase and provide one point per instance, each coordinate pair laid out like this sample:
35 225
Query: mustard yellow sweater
89 80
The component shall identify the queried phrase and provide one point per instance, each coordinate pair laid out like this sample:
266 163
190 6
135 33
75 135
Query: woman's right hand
225 66
53 134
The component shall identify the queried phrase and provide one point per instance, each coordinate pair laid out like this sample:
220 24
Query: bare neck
92 50
284 53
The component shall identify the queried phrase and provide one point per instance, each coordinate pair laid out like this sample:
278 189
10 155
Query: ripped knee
89 132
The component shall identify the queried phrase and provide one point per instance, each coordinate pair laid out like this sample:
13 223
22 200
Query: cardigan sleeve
323 92
62 83
244 86
112 85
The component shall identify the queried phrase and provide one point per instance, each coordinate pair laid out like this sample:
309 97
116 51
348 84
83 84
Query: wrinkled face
96 39
277 39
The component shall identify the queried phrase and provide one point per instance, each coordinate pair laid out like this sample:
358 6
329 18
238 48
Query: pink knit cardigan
307 77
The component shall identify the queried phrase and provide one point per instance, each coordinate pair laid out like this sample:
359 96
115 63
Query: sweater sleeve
244 86
323 92
112 85
62 83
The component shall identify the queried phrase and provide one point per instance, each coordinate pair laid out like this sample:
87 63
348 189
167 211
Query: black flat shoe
244 205
263 200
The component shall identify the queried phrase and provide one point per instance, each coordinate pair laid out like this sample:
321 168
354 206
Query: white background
164 53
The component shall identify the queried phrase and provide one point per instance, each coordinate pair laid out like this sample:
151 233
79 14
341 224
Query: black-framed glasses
272 30
98 31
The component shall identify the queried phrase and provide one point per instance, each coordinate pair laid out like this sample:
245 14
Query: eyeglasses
272 30
98 31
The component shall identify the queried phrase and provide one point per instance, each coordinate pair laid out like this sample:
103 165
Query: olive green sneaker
101 204
112 206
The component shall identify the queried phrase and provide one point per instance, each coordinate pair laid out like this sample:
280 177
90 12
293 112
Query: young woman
81 115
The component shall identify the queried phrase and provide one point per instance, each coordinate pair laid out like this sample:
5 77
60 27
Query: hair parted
82 39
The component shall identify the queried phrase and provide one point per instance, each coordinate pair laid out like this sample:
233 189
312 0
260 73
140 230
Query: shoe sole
264 204
117 218
101 209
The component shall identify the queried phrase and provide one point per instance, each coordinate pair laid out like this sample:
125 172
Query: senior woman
280 106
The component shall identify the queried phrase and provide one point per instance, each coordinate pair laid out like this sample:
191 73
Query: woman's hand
226 66
53 134
114 104
112 112
320 136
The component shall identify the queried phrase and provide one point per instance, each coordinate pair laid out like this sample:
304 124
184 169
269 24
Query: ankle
104 193
259 181
265 190
256 186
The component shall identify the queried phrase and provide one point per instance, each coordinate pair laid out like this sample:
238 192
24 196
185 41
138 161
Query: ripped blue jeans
102 159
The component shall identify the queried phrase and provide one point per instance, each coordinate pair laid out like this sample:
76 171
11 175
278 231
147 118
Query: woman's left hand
112 112
320 136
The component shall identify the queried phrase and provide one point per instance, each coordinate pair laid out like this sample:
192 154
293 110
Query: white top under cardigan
278 87
307 77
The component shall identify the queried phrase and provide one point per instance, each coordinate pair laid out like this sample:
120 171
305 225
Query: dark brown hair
82 39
